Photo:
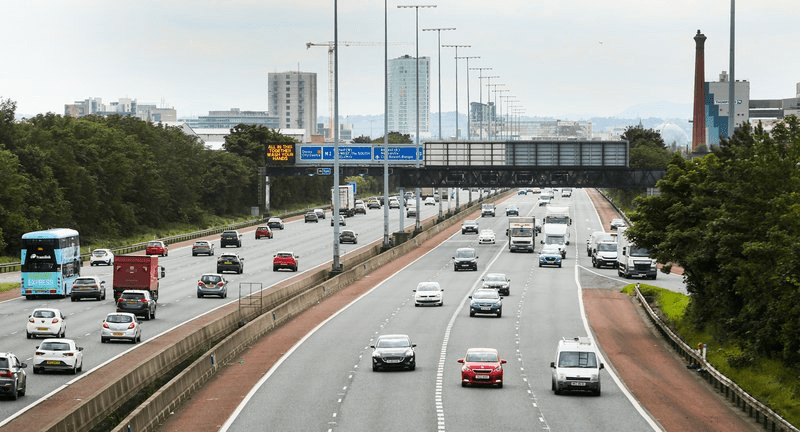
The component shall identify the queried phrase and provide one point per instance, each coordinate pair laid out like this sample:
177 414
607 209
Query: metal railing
761 413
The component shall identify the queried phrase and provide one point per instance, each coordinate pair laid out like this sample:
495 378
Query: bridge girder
495 176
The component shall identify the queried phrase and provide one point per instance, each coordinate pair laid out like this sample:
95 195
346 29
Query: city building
776 108
402 115
231 118
292 99
122 107
717 106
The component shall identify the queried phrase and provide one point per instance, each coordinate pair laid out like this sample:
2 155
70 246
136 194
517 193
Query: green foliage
731 219
767 379
113 177
647 148
9 286
396 138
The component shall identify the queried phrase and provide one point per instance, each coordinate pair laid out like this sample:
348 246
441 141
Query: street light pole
336 267
468 107
417 225
456 57
386 241
494 105
439 48
480 97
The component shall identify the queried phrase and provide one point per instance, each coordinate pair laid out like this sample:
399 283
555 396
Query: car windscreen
577 359
482 357
495 278
428 287
393 343
487 295
639 252
465 253
607 247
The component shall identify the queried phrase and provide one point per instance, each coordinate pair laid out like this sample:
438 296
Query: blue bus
50 261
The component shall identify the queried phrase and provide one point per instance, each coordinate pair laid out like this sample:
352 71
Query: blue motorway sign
355 153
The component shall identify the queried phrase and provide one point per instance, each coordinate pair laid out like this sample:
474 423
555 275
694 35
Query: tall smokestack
699 118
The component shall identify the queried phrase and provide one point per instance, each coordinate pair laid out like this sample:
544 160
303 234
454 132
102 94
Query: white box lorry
557 214
557 234
521 233
347 200
633 260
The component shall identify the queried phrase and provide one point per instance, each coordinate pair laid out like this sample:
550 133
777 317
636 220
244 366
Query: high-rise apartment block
402 115
293 100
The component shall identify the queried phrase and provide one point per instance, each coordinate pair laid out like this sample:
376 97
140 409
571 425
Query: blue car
550 255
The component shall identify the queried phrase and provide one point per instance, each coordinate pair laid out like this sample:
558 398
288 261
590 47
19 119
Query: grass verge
770 381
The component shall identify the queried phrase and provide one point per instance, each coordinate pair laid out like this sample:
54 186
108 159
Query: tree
731 219
647 148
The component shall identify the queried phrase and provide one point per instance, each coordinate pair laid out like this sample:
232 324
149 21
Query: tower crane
331 50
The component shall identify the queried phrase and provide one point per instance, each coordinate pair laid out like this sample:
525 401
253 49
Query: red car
263 231
156 247
285 260
482 366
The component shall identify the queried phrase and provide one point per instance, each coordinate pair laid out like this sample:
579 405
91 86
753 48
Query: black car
469 226
230 237
13 379
498 281
465 258
512 210
311 217
137 302
393 351
486 301
348 236
230 262
88 287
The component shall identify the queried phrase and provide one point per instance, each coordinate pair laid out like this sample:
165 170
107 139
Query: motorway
334 361
325 383
177 301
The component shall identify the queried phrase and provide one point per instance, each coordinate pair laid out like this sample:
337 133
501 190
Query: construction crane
331 49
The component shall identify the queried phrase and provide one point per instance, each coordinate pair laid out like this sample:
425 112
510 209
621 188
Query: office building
717 103
121 107
402 115
229 119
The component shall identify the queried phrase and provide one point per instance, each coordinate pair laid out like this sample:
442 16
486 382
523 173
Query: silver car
120 325
212 284
13 379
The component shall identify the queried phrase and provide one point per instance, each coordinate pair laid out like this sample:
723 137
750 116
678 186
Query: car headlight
409 352
498 368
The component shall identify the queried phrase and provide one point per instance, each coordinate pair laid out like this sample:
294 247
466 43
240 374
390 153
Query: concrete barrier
218 336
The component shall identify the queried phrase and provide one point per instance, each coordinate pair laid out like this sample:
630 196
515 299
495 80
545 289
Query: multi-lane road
326 383
177 301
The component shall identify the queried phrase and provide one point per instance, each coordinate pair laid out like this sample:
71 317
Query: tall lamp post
386 242
500 112
505 118
439 49
416 111
468 110
456 57
731 81
493 117
336 267
480 97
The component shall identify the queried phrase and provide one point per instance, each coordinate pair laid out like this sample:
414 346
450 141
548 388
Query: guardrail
762 414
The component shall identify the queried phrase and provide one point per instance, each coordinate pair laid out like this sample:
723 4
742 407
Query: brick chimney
699 117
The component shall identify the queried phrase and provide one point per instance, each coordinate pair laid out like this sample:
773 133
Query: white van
577 367
596 237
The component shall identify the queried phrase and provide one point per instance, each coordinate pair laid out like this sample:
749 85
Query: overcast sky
556 57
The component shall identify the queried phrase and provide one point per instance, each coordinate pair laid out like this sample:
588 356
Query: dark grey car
88 287
465 258
13 379
348 236
230 262
212 284
137 302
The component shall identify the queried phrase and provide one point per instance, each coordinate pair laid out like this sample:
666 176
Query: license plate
131 302
486 308
482 377
118 333
227 263
42 328
579 384
392 361
53 362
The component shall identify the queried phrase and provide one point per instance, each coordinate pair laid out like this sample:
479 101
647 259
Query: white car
430 201
275 223
101 256
120 325
58 354
46 322
429 293
486 236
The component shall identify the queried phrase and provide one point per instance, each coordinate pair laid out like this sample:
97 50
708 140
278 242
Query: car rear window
55 346
99 253
44 314
284 255
132 296
210 279
154 243
119 319
3 363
